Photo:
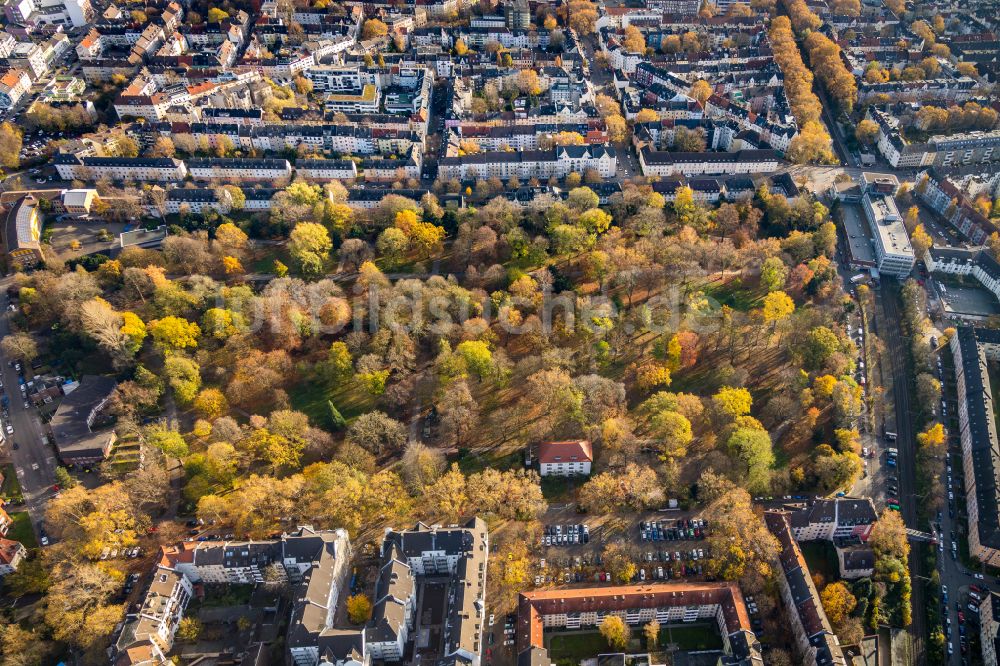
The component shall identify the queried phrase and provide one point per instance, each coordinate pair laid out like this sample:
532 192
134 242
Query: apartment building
30 58
387 169
558 162
815 642
364 100
668 603
340 79
569 458
972 348
79 438
13 84
940 194
12 553
976 262
140 169
432 550
662 163
392 615
314 562
238 169
326 169
834 519
989 627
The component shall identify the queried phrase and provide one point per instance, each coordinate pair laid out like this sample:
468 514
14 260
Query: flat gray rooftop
858 236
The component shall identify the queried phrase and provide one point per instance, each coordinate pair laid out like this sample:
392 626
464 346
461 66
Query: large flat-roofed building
973 349
893 252
668 603
74 419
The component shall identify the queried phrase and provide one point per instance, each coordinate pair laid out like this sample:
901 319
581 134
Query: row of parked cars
112 553
565 535
672 530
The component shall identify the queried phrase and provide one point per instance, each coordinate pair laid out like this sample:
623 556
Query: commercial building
972 348
893 252
73 422
815 642
668 603
570 458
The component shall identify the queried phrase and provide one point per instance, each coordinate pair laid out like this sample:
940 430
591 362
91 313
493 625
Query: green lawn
569 649
311 397
11 488
691 637
732 293
22 530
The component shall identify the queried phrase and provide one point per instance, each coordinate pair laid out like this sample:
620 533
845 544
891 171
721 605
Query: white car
492 619
10 429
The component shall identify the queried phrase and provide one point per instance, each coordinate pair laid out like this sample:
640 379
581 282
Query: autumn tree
701 90
866 132
615 632
310 245
20 346
374 28
359 608
740 544
634 41
10 146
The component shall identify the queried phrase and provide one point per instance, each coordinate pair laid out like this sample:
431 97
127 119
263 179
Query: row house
558 162
140 169
957 89
662 163
237 168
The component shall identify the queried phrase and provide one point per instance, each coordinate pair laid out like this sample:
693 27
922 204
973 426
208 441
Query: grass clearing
691 637
22 529
569 649
311 398
11 489
734 294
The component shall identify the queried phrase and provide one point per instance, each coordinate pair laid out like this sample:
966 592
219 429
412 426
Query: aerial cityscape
500 333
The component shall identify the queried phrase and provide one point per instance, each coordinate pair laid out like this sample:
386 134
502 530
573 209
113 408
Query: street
34 459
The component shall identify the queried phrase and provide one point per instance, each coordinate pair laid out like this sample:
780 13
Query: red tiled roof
8 550
579 450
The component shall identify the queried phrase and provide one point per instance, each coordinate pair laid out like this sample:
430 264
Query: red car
55 488
961 616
